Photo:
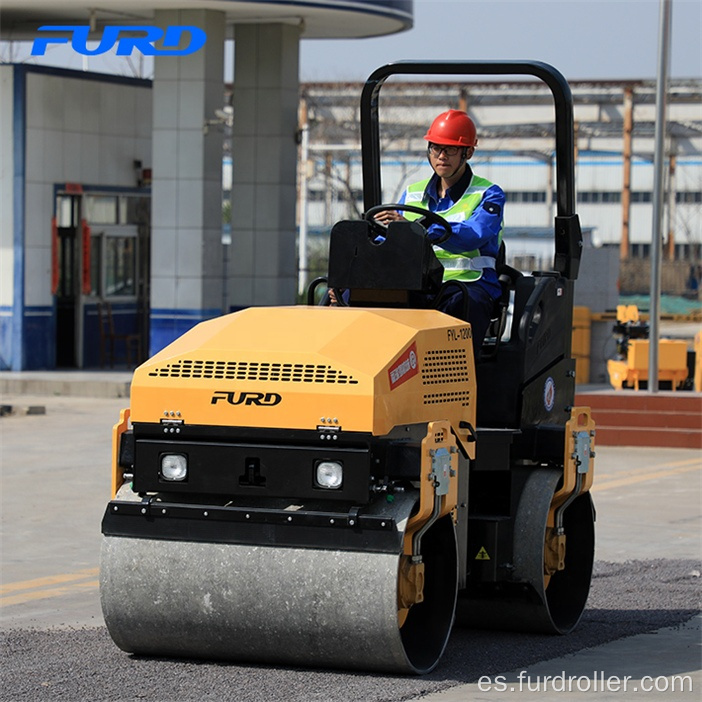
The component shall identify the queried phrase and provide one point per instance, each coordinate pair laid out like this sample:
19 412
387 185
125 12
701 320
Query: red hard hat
452 128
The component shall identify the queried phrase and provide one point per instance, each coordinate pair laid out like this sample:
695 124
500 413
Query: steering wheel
426 216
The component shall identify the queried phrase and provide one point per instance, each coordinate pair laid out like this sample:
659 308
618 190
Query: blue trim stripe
109 189
198 315
84 75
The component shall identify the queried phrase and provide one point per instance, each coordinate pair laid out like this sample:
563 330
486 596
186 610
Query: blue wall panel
39 338
167 325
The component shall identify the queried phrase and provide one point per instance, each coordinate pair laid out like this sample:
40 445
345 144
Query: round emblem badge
413 359
549 394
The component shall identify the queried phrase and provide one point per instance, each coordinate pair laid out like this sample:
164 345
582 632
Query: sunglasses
436 149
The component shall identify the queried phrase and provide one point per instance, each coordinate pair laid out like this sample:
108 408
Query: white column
263 266
186 218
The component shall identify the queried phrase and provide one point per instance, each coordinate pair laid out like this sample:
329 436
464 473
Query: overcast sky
610 39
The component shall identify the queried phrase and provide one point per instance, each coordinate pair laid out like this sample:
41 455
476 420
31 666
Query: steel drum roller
280 605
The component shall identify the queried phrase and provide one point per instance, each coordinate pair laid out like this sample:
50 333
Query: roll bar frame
568 238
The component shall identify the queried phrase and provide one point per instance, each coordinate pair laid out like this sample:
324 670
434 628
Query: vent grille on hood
445 366
246 370
439 398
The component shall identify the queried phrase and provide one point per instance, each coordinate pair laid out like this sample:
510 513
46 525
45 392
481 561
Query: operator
472 206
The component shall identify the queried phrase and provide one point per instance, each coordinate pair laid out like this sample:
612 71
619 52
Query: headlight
329 475
174 466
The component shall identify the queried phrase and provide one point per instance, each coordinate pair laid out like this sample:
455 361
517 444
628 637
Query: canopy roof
330 19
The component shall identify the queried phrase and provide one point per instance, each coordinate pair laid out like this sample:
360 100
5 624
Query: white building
614 141
74 212
77 225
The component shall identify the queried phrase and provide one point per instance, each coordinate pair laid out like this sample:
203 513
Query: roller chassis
444 512
360 516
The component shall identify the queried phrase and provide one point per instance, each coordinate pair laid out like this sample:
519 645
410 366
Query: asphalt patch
84 665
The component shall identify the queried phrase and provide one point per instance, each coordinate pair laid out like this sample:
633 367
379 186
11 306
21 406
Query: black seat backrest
400 261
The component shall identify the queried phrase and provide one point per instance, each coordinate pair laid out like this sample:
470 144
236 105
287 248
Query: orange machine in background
630 368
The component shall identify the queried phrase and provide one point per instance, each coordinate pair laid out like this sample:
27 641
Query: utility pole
658 187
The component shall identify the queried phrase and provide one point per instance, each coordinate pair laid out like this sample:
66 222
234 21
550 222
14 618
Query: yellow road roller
337 486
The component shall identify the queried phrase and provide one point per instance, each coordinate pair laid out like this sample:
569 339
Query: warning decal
482 555
404 368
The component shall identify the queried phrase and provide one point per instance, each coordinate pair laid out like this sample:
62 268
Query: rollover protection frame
568 237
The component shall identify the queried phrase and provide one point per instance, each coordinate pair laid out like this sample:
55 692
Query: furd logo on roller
128 38
260 399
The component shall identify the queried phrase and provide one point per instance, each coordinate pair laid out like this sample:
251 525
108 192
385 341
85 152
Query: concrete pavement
661 665
55 484
648 507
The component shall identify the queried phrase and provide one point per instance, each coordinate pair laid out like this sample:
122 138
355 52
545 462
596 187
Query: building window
66 211
101 209
641 196
688 197
134 209
95 267
113 262
640 250
120 266
525 196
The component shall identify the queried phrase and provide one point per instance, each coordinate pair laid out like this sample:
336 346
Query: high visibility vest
469 265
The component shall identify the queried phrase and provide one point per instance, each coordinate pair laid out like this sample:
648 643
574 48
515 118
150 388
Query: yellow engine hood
301 367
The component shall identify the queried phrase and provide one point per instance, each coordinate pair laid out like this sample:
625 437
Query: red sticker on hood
404 368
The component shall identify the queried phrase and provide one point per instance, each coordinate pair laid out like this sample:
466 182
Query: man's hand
388 216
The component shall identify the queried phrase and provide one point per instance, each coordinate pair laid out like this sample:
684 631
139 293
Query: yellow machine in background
630 368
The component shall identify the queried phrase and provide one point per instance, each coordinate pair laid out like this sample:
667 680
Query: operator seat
508 277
